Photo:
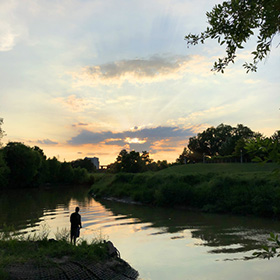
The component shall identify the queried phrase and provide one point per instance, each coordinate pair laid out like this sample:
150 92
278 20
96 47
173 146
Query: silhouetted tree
66 173
42 174
53 166
84 163
24 164
133 162
210 141
223 140
189 156
162 164
4 172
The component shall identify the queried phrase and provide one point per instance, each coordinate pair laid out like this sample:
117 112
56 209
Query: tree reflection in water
224 233
22 209
25 209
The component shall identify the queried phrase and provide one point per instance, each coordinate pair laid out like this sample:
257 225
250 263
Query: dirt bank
63 268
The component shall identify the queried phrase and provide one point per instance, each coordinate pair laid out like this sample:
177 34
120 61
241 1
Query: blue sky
89 78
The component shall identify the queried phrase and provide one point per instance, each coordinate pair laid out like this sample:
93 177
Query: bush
212 193
80 175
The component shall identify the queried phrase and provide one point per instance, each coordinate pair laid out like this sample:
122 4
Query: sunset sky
91 77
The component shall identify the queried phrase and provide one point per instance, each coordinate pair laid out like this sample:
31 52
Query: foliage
22 166
264 149
222 140
241 191
66 174
4 172
270 251
230 144
23 162
188 156
233 23
129 162
84 163
134 162
53 166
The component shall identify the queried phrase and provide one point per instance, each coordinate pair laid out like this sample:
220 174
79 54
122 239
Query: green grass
225 168
224 188
38 249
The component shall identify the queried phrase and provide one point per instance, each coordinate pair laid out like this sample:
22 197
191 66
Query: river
160 243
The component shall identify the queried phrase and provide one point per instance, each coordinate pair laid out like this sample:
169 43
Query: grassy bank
29 255
224 188
38 249
37 257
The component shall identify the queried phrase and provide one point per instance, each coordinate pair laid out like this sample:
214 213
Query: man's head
77 209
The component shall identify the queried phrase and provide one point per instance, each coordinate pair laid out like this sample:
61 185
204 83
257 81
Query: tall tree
233 22
132 162
84 163
24 164
2 132
264 149
4 172
209 141
218 141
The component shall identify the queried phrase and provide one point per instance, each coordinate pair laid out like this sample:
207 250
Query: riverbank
51 259
246 189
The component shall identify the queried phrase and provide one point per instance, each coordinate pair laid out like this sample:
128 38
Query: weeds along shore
36 257
246 189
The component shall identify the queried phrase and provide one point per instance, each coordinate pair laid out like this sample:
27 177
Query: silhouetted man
75 220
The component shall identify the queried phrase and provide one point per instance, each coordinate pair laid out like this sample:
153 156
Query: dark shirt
75 220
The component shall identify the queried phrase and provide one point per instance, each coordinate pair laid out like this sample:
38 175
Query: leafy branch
270 251
233 23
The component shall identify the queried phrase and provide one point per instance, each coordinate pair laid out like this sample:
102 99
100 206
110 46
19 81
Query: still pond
160 243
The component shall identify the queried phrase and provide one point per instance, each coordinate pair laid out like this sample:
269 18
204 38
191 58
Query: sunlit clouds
74 103
142 136
89 78
47 142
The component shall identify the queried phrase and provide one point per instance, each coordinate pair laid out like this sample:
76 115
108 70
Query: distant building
95 161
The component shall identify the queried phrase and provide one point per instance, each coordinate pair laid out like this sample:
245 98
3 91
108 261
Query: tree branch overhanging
233 23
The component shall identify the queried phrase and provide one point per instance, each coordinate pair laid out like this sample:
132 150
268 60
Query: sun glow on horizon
135 140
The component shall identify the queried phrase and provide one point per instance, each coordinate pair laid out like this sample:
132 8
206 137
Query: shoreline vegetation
38 257
240 189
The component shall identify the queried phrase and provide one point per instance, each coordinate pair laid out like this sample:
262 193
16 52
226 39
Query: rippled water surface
160 243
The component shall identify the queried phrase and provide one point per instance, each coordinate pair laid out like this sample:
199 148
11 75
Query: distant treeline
221 144
22 166
225 143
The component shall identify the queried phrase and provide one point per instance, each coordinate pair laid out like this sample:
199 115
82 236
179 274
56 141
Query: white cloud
12 28
7 37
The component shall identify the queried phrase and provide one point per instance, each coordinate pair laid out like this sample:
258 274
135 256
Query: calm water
160 243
